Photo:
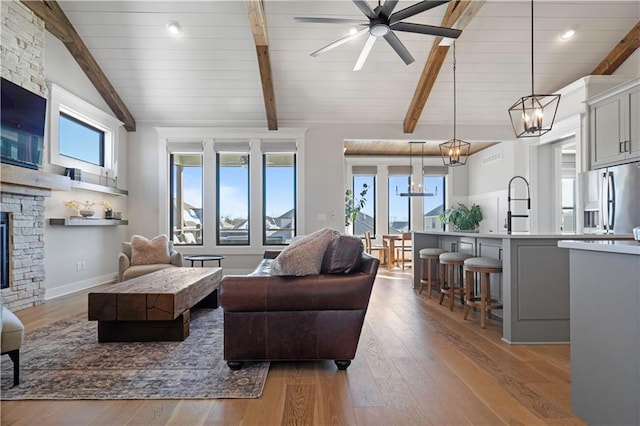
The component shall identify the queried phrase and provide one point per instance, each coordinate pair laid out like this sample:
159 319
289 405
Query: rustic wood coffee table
155 306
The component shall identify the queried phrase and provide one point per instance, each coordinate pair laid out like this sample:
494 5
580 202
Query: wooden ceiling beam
459 13
258 24
620 53
57 23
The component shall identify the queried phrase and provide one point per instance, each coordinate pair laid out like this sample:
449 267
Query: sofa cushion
145 252
263 269
303 256
343 255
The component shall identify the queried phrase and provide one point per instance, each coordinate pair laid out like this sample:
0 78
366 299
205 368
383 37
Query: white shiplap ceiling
210 75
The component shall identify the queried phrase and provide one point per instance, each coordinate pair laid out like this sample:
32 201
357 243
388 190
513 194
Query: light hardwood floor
417 364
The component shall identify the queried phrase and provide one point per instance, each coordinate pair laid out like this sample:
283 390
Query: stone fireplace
24 252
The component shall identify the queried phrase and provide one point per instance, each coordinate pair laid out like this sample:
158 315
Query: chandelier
414 190
533 116
454 151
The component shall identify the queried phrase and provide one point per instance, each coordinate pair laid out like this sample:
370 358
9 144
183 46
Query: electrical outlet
84 265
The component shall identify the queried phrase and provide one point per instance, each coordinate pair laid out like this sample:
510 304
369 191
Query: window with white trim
232 172
81 136
279 200
186 208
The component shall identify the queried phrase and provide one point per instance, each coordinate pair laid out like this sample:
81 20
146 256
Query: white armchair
12 333
126 271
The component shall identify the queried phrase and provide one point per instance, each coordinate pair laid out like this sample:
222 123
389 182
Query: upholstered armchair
134 262
12 333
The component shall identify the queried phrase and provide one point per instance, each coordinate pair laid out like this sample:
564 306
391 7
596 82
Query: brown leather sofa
311 317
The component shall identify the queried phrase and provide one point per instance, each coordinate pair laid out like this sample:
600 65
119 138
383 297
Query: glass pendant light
454 151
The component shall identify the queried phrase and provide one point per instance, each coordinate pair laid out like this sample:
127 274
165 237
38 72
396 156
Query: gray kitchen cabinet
614 125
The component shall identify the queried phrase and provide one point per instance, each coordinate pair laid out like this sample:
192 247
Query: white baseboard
52 293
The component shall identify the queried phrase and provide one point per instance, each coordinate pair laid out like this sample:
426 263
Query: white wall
97 247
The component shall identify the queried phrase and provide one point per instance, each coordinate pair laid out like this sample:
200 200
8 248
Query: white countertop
528 235
607 246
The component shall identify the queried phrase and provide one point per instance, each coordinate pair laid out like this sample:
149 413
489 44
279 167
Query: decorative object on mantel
108 211
85 208
462 217
528 115
416 190
454 151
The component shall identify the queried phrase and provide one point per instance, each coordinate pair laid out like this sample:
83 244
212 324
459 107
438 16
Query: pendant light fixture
533 116
454 151
414 190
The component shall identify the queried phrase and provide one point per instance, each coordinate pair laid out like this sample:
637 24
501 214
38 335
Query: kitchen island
533 286
605 330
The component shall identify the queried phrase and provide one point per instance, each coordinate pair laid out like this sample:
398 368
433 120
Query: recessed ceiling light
174 28
567 35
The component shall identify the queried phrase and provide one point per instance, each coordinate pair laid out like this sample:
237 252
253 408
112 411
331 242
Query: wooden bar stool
449 261
429 258
484 266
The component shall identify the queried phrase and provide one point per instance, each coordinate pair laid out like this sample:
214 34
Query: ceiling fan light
379 30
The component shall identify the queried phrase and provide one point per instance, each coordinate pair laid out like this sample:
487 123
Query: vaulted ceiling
211 75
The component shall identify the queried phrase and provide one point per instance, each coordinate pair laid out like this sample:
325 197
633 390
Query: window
232 198
399 213
186 199
279 200
81 135
366 220
433 205
568 219
80 141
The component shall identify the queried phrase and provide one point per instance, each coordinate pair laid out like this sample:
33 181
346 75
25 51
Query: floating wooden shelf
98 188
86 221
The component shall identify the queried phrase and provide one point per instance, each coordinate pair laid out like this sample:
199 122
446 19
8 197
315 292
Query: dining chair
383 251
405 247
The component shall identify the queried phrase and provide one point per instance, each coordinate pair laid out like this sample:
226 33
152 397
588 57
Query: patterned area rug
65 361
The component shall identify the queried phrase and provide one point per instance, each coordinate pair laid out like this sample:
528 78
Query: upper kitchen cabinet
614 125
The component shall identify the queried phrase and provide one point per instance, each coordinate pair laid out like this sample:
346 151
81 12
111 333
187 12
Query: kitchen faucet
509 199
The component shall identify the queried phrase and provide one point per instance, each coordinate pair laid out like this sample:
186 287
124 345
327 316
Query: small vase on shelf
108 214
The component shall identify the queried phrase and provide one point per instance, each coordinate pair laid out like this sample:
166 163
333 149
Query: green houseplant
462 217
352 206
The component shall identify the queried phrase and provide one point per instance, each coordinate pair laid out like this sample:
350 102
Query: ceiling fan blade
365 53
330 20
397 45
415 9
339 42
366 9
426 29
388 7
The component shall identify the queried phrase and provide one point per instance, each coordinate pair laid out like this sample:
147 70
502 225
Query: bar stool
429 257
449 261
484 266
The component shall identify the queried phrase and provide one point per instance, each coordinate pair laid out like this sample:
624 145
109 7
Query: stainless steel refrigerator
611 199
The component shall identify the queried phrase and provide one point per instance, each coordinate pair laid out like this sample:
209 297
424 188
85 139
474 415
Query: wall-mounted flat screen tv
22 126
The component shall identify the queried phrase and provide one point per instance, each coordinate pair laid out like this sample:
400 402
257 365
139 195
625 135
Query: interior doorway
565 185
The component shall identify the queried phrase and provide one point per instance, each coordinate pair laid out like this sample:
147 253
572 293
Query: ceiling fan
382 23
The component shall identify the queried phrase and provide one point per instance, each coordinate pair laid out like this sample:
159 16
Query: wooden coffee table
155 306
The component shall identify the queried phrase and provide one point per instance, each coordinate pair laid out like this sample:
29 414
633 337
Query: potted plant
352 206
462 217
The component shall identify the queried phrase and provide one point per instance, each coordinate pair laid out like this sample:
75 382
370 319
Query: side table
204 258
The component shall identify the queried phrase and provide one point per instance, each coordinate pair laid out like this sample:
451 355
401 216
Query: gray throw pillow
303 256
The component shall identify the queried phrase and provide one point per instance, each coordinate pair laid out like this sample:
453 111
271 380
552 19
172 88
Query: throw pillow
303 256
145 252
343 255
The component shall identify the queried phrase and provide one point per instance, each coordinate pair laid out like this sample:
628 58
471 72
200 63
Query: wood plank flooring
417 364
